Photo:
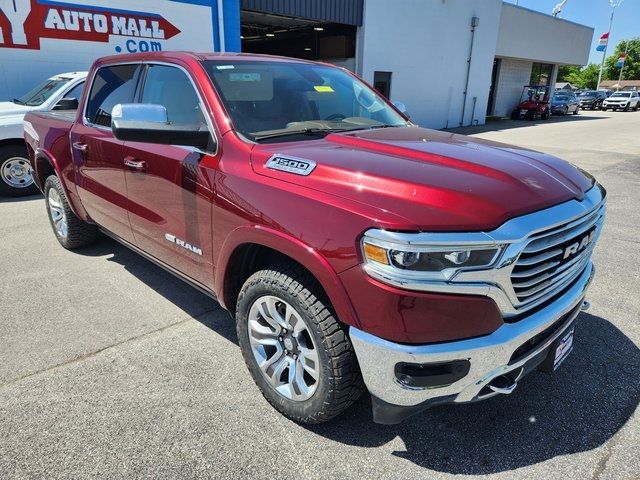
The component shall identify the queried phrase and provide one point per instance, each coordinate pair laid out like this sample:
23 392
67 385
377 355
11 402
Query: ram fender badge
298 166
183 244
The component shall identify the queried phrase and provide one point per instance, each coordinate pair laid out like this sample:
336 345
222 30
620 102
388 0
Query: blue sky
596 14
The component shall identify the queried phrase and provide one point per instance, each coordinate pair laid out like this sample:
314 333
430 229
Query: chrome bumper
489 356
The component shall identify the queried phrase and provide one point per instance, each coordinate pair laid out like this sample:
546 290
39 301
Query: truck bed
47 135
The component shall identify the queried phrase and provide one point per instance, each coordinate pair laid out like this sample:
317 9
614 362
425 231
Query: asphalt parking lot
111 368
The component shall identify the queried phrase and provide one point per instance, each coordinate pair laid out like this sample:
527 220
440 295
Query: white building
418 51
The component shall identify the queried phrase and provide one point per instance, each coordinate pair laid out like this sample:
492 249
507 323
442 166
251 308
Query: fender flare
294 248
40 156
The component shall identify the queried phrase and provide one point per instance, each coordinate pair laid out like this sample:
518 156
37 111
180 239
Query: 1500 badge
298 166
183 244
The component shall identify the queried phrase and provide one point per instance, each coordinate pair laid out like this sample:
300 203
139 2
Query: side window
171 88
112 85
75 92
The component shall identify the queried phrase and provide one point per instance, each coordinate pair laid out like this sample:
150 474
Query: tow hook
507 383
585 306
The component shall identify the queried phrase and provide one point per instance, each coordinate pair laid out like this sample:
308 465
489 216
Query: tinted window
75 92
41 93
171 88
112 85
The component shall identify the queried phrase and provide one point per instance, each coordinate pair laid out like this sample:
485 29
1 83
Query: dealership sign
23 23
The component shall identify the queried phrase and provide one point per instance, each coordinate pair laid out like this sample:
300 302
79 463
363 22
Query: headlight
426 262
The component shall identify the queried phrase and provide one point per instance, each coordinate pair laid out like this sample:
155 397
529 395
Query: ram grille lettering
183 244
297 166
577 246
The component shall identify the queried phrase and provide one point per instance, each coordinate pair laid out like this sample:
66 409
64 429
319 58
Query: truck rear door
98 155
169 190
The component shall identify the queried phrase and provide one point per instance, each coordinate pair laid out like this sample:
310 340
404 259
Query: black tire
545 115
576 111
78 232
339 381
10 185
565 111
635 109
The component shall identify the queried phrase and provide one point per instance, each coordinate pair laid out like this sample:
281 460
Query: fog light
431 375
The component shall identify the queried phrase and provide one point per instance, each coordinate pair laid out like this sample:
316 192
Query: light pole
614 4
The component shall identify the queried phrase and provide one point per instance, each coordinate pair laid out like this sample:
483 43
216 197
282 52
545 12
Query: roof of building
565 86
623 83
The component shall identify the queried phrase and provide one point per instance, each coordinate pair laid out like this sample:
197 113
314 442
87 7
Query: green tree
631 65
586 77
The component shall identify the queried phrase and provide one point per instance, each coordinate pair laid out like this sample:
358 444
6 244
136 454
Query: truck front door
97 154
169 190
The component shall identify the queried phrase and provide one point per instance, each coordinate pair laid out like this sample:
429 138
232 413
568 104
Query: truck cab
60 92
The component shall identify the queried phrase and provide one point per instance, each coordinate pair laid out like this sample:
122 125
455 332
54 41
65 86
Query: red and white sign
43 38
26 22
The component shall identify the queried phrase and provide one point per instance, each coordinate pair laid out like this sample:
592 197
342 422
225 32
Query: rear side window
112 85
171 88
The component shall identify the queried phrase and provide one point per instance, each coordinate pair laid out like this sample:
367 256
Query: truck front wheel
16 176
70 231
297 352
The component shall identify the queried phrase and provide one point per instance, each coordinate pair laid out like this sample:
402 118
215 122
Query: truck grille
551 260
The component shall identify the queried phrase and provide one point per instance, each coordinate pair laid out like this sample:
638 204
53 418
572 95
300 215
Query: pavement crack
89 355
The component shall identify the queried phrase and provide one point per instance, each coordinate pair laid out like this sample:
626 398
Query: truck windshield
41 93
621 94
286 100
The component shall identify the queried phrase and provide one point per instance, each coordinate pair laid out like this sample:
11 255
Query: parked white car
61 92
622 100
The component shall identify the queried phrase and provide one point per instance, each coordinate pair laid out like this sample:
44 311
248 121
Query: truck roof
184 55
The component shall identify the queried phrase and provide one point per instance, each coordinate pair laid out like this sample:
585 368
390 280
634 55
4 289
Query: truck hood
10 109
436 180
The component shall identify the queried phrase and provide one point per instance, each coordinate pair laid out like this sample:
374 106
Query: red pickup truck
355 249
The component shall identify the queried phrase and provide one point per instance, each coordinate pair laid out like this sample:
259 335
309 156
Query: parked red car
353 248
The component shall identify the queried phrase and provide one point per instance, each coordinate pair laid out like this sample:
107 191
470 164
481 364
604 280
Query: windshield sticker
244 77
323 88
225 67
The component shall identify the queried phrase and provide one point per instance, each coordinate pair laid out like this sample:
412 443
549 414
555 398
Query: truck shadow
194 303
576 409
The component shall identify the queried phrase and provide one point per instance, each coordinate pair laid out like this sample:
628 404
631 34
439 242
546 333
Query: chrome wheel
283 348
16 172
56 209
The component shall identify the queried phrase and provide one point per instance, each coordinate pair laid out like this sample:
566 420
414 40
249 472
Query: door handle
82 147
133 163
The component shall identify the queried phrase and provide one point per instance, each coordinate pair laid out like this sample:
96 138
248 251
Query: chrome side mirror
146 122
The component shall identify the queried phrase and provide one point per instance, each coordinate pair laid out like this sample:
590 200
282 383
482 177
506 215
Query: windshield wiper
18 101
304 131
385 125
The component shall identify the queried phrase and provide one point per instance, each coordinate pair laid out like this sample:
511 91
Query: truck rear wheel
70 231
16 176
297 352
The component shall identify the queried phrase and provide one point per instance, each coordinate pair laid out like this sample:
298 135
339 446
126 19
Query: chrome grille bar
541 271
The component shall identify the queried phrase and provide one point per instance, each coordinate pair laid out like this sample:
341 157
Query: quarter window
111 86
171 88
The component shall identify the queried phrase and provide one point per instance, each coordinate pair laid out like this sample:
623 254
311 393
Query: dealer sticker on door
564 348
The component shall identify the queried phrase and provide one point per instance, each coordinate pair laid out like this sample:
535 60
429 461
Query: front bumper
490 357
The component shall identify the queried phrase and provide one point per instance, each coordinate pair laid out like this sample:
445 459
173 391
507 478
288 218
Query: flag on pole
604 39
621 59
